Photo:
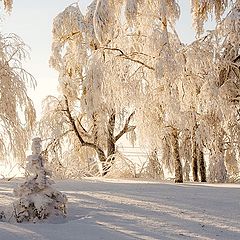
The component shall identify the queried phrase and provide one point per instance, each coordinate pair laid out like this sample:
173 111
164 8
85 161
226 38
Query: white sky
32 21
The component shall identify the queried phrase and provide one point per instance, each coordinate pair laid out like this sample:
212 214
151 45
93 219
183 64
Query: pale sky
32 21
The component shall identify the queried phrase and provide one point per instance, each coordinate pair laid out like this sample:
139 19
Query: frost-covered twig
122 54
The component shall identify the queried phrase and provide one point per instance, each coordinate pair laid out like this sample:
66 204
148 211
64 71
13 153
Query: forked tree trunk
202 168
111 141
176 157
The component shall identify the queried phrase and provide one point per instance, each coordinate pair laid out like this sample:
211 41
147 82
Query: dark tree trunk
95 127
111 141
202 167
99 151
111 144
194 157
111 148
176 157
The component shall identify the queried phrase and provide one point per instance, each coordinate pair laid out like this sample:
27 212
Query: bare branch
83 130
122 54
69 37
126 128
99 151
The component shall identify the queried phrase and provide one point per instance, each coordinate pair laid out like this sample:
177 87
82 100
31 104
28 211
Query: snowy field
123 210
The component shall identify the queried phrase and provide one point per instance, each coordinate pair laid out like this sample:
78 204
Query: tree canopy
17 113
123 60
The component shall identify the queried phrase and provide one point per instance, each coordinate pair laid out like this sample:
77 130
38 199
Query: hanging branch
54 141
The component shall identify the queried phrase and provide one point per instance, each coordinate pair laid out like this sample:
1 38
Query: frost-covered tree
172 83
206 94
89 118
37 199
17 114
228 87
202 9
127 55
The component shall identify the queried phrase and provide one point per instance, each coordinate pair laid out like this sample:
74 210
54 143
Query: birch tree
17 113
212 101
89 116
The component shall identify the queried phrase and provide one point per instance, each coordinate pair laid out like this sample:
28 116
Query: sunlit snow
124 210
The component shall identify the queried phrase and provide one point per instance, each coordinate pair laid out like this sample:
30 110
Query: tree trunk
111 141
186 171
194 156
111 144
231 161
217 168
221 168
202 167
176 157
103 160
95 127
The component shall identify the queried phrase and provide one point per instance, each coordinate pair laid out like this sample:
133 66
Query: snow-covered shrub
123 167
154 168
37 199
72 165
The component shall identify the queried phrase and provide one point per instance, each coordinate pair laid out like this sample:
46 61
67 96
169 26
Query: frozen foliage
124 58
88 118
8 5
103 21
202 9
17 114
37 199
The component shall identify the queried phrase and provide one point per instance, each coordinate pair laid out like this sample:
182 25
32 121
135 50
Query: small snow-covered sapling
37 199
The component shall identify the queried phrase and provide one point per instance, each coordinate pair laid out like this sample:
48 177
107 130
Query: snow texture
37 199
127 210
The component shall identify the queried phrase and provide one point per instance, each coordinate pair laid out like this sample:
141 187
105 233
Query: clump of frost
37 199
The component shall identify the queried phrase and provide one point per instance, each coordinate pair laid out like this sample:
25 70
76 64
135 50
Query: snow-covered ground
123 210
